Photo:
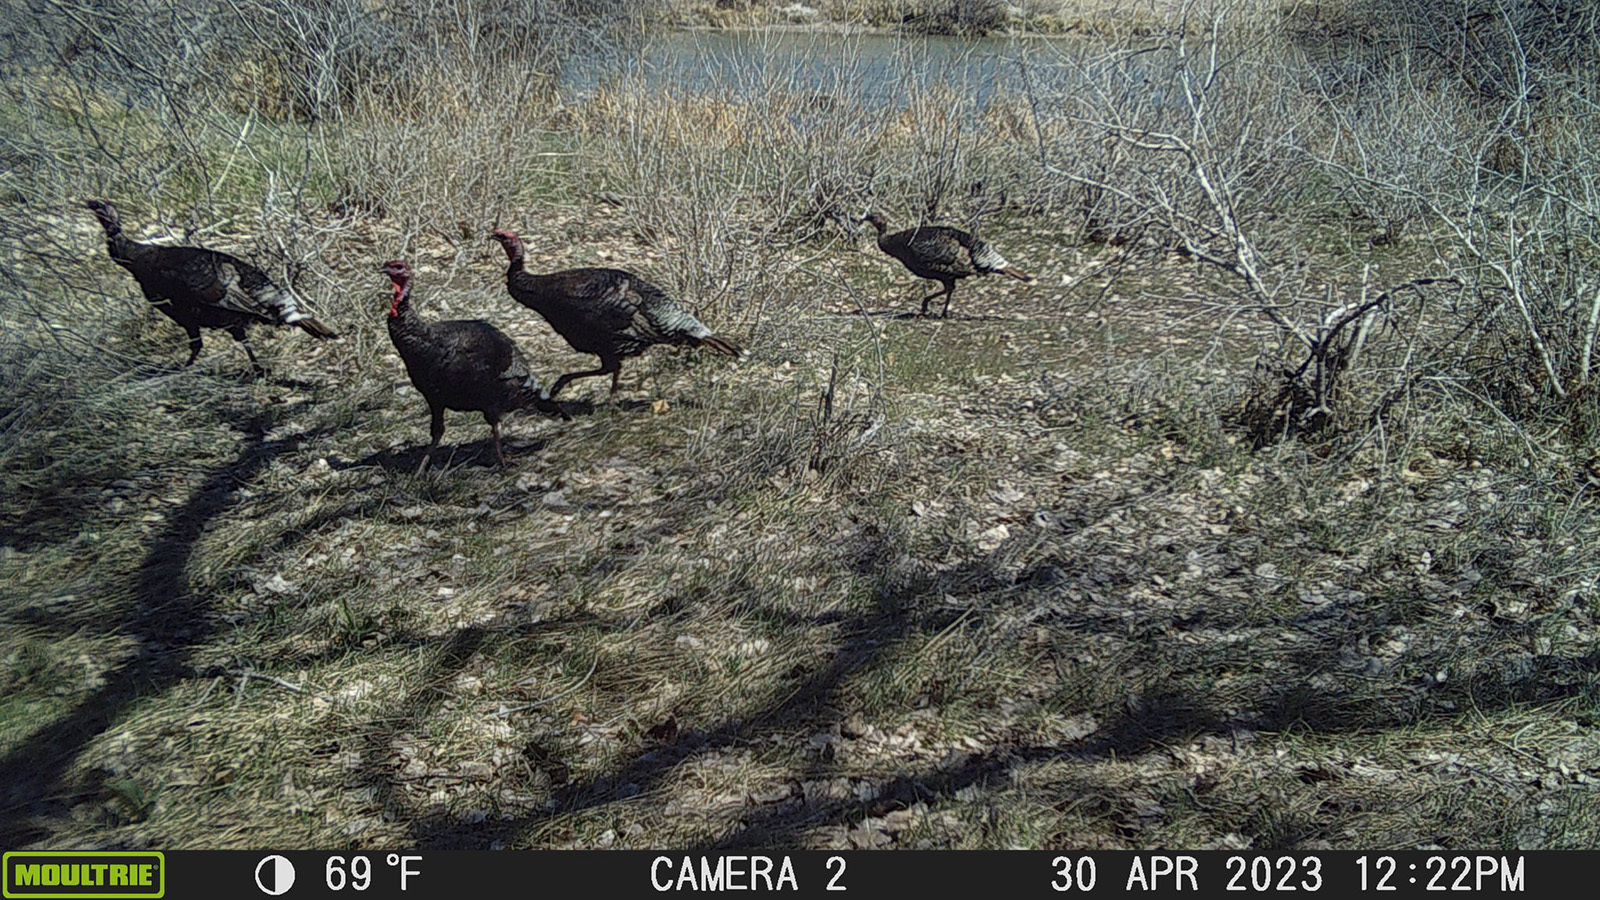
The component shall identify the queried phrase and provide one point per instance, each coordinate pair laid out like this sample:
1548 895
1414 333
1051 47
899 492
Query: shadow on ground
166 621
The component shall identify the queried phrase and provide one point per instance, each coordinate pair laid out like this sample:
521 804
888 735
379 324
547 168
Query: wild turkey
200 288
611 313
461 364
941 253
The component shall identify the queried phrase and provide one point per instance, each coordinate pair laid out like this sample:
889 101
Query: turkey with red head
611 313
460 364
200 288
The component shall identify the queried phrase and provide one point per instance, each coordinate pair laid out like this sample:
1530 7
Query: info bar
447 874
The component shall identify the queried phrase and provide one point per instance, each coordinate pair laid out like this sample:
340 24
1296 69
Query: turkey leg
945 293
612 368
436 426
194 344
494 431
239 335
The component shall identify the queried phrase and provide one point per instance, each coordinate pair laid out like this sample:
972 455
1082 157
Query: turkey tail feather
722 345
315 328
987 259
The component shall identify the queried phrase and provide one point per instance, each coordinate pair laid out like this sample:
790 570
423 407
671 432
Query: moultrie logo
89 875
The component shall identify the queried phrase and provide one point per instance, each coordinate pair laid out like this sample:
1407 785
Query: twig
538 703
246 675
244 135
1588 339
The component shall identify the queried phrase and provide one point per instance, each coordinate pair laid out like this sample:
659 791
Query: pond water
874 69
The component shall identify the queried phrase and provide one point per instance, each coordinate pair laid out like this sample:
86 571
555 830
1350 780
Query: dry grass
933 17
1049 601
1015 579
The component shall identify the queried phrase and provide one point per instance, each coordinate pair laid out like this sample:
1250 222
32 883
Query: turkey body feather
611 313
461 364
942 254
201 288
465 364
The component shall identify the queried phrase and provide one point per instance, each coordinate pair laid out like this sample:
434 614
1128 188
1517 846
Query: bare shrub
741 189
1499 164
1198 136
958 17
1482 45
275 130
